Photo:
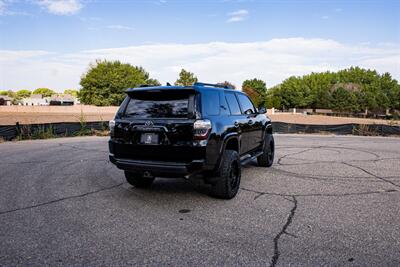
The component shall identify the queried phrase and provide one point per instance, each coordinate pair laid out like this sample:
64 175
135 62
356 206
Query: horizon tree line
349 90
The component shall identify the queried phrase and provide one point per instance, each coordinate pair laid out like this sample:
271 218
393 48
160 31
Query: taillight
201 129
111 126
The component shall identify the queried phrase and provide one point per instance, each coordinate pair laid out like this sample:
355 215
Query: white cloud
119 27
325 17
272 61
238 15
241 12
15 55
2 7
61 7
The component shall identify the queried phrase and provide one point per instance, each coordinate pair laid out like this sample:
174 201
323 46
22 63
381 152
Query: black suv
180 131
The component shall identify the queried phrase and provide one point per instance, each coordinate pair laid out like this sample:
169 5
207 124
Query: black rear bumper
159 168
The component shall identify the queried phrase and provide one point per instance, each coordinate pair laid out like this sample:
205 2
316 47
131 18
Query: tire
137 179
228 180
267 157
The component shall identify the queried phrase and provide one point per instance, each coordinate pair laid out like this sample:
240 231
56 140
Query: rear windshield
158 104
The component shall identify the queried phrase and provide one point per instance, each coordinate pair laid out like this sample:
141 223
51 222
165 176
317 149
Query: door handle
236 124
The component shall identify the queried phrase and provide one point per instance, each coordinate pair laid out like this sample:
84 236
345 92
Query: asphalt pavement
326 201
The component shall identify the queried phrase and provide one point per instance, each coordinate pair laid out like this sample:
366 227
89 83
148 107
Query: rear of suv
176 131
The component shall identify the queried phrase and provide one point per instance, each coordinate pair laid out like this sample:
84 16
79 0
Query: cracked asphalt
327 201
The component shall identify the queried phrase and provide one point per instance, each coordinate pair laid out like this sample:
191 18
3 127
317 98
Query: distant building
35 100
55 100
5 100
62 100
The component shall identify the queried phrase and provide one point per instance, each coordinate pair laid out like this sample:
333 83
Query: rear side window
233 104
158 104
245 103
210 102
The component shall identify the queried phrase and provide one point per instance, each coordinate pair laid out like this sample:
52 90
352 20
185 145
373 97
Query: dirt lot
325 120
47 114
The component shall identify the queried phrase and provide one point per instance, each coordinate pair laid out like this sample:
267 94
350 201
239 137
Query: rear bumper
159 168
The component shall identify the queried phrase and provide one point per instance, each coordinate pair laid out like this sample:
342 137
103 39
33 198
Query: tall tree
154 82
390 88
45 92
256 90
273 98
23 93
186 78
11 94
105 82
343 100
319 90
72 92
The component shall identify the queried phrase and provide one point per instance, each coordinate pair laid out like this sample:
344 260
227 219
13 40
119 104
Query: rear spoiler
160 89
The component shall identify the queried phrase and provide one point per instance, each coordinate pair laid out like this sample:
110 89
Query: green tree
343 100
316 87
154 82
11 94
295 94
105 82
3 92
273 98
72 92
316 90
186 78
390 88
45 92
23 93
257 90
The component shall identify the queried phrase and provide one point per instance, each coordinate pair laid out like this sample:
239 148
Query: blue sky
56 40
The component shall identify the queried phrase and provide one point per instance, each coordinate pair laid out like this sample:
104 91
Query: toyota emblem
148 123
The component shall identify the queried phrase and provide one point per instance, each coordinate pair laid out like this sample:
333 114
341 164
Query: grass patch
364 130
84 130
27 132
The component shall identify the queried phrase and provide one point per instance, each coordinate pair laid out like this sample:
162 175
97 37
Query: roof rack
213 85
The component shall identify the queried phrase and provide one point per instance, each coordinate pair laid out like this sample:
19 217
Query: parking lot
327 200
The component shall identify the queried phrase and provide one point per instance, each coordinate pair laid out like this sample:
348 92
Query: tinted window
224 106
210 102
158 105
246 104
232 104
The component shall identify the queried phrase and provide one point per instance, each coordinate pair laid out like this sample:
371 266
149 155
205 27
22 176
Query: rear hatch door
158 125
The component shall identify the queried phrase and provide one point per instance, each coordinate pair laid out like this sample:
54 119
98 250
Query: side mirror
262 110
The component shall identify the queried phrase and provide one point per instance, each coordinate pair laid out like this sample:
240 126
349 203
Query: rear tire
267 157
137 179
228 180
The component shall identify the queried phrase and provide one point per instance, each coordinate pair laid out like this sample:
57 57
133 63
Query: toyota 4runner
176 131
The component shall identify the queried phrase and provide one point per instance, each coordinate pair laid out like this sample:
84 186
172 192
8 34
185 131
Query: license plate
149 138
